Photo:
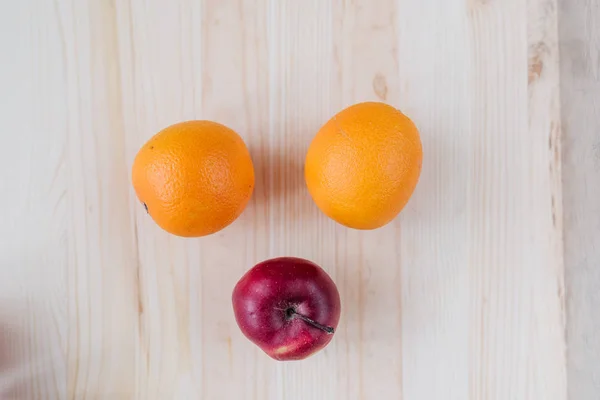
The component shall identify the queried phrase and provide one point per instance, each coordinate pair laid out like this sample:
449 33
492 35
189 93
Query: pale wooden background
580 92
461 298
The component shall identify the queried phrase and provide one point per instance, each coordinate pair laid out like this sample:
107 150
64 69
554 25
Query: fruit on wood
287 306
363 165
194 177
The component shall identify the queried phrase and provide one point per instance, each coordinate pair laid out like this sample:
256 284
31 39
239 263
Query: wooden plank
70 237
580 92
34 185
300 68
479 304
365 68
197 60
101 250
436 89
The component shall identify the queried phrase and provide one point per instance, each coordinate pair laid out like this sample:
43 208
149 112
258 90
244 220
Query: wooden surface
580 88
460 298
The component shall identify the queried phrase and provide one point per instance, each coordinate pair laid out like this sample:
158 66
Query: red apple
289 307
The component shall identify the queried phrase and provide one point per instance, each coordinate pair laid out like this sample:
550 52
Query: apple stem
312 322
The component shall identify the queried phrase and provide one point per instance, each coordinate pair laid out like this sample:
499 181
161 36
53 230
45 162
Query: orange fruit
194 177
363 165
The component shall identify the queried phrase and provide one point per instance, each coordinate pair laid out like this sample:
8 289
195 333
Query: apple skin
289 307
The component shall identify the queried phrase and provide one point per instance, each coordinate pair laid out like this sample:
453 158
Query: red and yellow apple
289 307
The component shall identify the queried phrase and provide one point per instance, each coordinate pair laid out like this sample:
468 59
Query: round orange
363 165
194 177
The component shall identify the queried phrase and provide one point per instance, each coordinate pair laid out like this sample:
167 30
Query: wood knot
472 4
536 66
537 53
380 86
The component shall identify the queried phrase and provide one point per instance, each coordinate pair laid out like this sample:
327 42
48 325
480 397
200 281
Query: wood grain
460 298
580 92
